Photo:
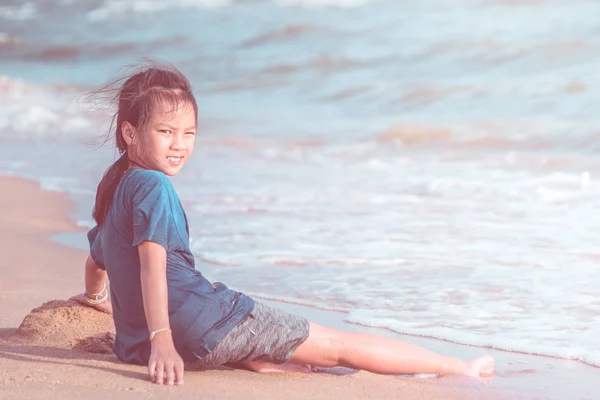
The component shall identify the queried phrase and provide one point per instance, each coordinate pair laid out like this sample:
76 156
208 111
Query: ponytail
107 187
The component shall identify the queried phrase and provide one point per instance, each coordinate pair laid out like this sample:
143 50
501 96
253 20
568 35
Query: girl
165 311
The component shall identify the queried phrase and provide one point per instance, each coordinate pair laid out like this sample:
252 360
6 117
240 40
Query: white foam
85 223
522 337
43 111
58 183
323 3
477 257
113 8
23 12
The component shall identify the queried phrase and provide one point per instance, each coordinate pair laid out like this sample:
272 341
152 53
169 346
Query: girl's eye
190 133
166 131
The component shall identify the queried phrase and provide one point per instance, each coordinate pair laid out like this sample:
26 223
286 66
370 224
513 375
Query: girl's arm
95 288
165 364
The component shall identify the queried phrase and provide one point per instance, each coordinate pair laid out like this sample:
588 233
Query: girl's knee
331 346
331 351
322 347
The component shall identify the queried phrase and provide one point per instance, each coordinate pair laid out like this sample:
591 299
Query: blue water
429 167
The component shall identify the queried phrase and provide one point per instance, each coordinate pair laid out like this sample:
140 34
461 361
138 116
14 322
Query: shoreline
33 218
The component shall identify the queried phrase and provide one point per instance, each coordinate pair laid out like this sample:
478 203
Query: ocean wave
44 111
324 3
112 8
19 12
286 33
57 110
17 49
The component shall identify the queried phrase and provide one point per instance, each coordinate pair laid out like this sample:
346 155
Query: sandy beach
35 269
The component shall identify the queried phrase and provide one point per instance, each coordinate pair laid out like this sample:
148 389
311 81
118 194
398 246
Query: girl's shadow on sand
65 356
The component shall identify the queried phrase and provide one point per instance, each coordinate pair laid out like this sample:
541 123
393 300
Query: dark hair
136 100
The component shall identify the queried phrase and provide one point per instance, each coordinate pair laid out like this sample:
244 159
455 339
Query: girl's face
167 141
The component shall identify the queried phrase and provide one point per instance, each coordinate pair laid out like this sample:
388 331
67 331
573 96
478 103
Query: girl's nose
177 143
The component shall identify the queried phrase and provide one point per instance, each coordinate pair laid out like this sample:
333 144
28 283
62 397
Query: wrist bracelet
153 333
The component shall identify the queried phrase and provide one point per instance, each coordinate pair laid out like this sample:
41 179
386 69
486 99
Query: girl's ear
128 132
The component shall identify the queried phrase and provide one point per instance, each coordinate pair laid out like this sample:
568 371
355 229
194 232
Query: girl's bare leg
328 347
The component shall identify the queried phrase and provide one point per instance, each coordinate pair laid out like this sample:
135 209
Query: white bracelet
97 301
97 296
153 333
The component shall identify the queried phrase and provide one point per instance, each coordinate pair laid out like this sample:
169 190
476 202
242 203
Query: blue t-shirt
146 208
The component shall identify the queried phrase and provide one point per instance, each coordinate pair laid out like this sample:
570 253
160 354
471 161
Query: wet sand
36 269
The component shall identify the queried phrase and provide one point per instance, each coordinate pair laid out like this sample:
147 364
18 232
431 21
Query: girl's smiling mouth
175 160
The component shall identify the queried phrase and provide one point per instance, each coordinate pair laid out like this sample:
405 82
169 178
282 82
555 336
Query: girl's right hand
105 306
165 365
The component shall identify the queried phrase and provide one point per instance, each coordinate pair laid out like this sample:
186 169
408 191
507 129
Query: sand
53 348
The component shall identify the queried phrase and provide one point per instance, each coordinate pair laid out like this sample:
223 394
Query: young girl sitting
165 311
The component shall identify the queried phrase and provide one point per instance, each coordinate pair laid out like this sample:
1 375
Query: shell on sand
59 323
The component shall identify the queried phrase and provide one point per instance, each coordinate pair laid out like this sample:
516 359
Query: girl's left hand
105 306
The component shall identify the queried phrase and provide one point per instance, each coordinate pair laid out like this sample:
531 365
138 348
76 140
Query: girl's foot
479 366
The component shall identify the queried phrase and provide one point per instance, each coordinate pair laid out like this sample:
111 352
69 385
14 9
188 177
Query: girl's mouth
175 160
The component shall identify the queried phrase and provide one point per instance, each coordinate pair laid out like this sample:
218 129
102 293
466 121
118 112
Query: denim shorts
267 334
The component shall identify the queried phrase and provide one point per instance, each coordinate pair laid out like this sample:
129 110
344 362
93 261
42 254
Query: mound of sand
59 323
